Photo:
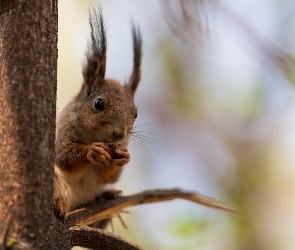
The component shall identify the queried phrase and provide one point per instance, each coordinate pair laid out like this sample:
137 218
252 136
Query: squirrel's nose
119 134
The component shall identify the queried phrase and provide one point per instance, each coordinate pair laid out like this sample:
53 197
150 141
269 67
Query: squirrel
94 128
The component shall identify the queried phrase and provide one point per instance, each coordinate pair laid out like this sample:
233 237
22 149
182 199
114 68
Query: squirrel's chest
80 188
87 179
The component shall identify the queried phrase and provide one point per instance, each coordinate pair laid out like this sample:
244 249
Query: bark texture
28 60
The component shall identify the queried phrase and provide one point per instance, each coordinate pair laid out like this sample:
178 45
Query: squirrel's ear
137 55
95 67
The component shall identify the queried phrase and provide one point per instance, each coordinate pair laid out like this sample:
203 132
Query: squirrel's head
106 108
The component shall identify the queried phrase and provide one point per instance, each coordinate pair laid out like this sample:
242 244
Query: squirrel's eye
99 104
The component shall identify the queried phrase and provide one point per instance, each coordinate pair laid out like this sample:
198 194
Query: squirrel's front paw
122 157
98 155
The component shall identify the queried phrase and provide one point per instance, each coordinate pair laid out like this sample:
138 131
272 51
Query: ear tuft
137 56
95 67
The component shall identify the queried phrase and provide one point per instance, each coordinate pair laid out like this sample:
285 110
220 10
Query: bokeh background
216 115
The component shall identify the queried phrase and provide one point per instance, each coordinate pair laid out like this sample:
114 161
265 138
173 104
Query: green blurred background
216 111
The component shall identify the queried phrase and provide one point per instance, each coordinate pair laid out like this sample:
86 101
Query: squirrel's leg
60 207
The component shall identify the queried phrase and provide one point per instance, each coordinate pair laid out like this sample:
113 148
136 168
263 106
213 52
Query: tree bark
28 61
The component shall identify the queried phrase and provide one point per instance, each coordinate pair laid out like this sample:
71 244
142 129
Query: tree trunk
28 60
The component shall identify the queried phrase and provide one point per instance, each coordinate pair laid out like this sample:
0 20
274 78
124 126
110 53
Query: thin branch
108 208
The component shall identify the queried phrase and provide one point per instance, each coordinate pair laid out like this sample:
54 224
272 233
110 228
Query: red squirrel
94 128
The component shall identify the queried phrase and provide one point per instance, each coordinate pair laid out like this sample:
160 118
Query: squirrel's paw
60 208
98 155
122 158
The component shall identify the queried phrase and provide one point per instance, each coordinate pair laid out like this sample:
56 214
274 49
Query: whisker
143 125
147 138
135 143
141 143
139 106
137 130
68 89
138 145
142 131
